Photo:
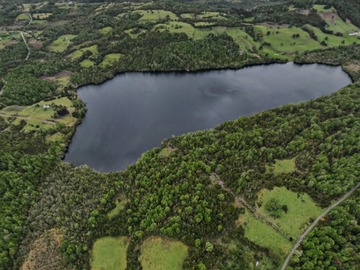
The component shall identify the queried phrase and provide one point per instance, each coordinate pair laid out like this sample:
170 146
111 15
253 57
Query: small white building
46 106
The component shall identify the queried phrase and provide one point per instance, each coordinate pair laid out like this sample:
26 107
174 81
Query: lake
134 112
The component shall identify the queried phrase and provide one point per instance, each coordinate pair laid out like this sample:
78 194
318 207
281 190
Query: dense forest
203 189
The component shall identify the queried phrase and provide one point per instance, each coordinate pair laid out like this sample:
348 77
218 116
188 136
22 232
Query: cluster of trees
334 243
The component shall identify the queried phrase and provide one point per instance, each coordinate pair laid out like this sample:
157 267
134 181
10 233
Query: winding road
331 207
24 39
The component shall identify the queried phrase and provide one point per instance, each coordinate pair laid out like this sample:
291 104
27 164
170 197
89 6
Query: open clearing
156 15
106 30
264 235
60 44
282 166
109 253
301 208
87 63
120 205
110 59
79 53
162 254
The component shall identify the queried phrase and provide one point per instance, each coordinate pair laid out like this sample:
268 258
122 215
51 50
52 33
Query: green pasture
162 254
87 63
61 43
264 235
300 209
109 253
110 59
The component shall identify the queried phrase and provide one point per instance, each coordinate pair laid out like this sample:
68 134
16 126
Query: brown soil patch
61 74
35 44
329 17
353 66
45 252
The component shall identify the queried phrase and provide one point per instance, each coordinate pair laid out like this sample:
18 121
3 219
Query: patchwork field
162 254
110 59
79 53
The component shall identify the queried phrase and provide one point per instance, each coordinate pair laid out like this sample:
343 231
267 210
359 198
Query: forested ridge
204 189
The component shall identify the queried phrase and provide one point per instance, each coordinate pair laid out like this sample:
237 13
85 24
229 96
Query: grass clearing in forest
79 53
282 166
61 43
109 253
23 17
41 16
110 59
265 236
162 254
106 30
156 15
300 209
87 63
120 205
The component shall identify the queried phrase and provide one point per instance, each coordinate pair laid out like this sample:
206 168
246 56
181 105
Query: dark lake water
134 112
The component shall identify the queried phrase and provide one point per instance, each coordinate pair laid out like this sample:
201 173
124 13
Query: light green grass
120 205
281 40
300 209
134 33
202 24
39 21
60 44
23 17
156 15
162 254
87 63
41 16
283 166
110 59
7 38
265 236
187 15
57 137
176 27
109 253
78 53
321 8
106 30
332 40
340 26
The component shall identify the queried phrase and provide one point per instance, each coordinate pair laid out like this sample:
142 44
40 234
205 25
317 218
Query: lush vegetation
233 197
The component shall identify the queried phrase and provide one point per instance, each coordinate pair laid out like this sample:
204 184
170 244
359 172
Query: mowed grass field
264 235
301 208
61 43
162 254
282 166
109 253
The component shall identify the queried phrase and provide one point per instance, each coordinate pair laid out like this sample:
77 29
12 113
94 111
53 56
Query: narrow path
343 198
253 210
27 46
24 39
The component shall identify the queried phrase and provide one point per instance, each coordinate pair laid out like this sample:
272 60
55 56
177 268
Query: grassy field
210 15
60 44
265 236
87 63
110 59
120 205
156 15
8 38
106 30
301 208
162 254
78 53
36 116
23 17
282 166
109 253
